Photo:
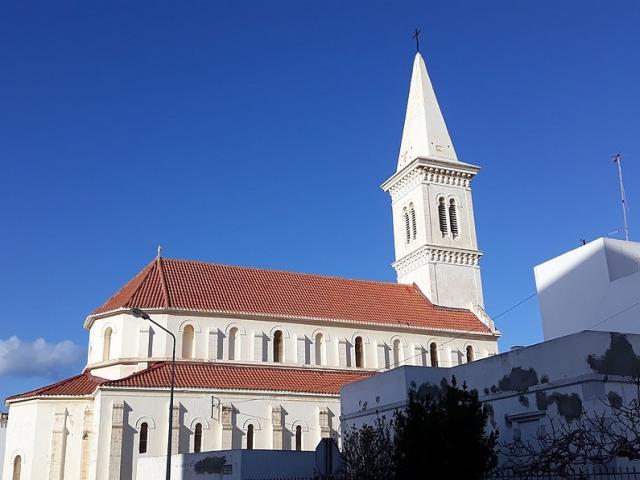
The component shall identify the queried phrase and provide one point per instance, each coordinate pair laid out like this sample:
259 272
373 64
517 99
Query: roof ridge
163 280
142 275
196 286
290 272
146 271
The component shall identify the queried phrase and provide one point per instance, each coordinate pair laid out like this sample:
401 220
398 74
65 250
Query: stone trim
115 444
277 415
429 254
479 312
58 445
324 422
87 441
227 427
429 174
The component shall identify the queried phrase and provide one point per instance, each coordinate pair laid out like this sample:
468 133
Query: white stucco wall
561 368
196 407
255 342
243 464
593 287
32 422
3 439
444 266
29 434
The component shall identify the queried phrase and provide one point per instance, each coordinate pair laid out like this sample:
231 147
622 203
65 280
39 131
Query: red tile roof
207 287
220 376
80 385
210 376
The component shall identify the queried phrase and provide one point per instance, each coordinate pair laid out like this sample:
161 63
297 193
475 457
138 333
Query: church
262 354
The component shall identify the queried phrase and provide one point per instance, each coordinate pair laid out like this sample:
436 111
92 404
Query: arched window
106 344
250 437
433 351
414 229
233 343
277 346
469 354
298 438
442 215
407 225
187 341
453 217
359 353
144 438
17 467
318 346
396 353
197 438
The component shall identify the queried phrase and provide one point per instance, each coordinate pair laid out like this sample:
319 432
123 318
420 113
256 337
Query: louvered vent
414 230
453 217
407 226
442 215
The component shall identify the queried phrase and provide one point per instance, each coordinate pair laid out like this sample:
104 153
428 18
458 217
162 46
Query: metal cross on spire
416 36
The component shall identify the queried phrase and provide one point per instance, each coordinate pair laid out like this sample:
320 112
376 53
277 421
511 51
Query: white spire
425 134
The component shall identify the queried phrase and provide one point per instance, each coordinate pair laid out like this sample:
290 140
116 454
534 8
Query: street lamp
136 312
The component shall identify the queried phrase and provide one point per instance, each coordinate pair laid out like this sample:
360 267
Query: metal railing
586 474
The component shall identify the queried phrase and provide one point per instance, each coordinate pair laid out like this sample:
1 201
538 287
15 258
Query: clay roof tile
207 287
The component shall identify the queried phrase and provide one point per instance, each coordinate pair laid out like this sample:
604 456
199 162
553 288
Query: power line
516 305
385 368
459 335
614 315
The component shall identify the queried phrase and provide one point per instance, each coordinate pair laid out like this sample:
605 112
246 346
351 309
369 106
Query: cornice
303 320
433 171
433 254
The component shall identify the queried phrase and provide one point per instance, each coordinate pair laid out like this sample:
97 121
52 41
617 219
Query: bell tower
433 221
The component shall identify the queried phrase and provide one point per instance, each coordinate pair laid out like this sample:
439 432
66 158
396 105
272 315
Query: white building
3 435
525 388
593 287
262 354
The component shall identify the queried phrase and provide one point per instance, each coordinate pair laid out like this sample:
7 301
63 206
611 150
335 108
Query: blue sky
258 133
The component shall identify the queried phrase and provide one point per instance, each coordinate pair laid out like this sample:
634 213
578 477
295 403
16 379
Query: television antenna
617 159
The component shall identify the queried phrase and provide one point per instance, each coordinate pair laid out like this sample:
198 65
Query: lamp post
136 312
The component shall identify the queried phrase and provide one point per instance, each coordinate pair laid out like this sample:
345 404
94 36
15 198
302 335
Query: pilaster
87 440
324 422
175 430
58 445
277 417
115 445
227 427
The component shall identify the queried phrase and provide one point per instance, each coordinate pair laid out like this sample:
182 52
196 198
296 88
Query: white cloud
37 359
